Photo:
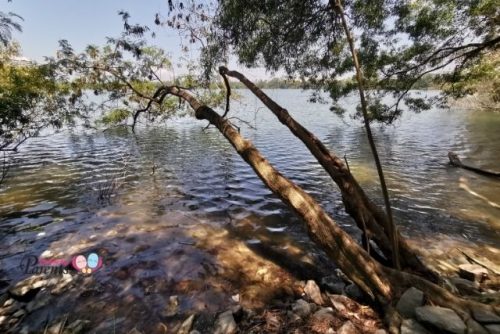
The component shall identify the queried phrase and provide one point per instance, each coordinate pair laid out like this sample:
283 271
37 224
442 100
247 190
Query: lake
175 203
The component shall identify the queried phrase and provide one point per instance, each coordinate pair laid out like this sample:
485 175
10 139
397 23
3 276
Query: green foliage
128 75
32 97
399 43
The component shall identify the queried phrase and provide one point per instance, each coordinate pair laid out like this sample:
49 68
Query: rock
380 331
186 325
77 326
332 284
474 327
339 303
10 308
134 331
301 308
194 332
236 298
19 313
493 329
485 317
409 301
38 302
312 291
3 319
441 318
324 313
28 287
354 292
472 272
411 326
293 317
225 324
172 307
347 328
465 286
340 274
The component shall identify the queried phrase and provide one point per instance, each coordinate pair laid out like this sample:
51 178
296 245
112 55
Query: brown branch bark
391 227
357 203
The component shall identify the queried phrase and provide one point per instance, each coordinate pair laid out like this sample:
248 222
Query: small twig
347 163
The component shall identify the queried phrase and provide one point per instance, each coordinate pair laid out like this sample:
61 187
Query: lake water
135 195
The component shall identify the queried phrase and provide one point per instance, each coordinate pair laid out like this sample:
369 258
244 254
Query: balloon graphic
79 262
93 260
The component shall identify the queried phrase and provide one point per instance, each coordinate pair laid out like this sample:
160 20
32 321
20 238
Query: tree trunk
356 202
384 284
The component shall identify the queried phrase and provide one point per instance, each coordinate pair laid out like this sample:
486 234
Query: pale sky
84 22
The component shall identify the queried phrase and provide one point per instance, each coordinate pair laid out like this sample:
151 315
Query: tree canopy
398 43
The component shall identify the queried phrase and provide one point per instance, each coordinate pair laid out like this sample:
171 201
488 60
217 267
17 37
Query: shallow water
164 201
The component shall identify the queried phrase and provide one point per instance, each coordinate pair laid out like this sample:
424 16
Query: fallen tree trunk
455 161
357 204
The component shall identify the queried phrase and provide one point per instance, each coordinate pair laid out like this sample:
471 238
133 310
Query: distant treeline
426 82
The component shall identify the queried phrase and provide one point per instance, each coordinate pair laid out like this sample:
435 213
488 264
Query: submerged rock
312 291
409 301
444 319
225 324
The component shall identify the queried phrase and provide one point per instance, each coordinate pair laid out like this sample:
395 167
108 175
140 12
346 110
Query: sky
84 22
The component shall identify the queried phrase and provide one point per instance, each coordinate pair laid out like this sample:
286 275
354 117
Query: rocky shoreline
334 305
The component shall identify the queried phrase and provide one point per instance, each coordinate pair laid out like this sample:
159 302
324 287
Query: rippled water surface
68 191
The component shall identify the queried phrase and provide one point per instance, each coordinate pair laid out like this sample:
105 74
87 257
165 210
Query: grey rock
474 327
347 328
354 292
333 284
472 272
77 326
194 332
465 286
409 301
301 308
38 302
485 317
186 325
312 291
381 331
19 313
225 324
411 326
325 313
172 307
134 331
441 318
493 329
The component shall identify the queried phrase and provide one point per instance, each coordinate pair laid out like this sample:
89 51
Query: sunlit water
177 175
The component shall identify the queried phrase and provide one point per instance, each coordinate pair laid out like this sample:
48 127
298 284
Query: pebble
411 326
225 324
301 308
472 272
312 291
186 325
347 328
